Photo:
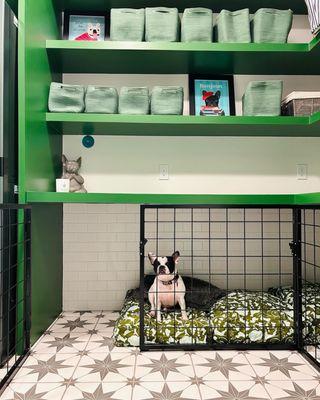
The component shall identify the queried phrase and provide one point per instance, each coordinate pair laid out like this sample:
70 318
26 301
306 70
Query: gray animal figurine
71 172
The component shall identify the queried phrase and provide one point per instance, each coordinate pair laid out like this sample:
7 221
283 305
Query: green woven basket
233 26
101 100
272 26
167 100
127 24
263 98
197 25
134 100
162 24
66 98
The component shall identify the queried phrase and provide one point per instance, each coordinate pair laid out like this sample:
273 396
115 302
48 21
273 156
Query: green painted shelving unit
43 58
163 58
177 125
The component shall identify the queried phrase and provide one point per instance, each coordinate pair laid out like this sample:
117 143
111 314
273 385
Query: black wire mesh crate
232 263
310 283
15 264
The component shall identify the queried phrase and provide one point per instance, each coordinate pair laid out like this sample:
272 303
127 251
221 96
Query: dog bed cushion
251 317
310 308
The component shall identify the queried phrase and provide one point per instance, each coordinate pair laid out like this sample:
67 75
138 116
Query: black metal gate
15 265
250 261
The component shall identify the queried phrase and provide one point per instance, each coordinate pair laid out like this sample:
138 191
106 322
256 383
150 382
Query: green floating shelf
164 58
129 198
214 199
178 125
297 6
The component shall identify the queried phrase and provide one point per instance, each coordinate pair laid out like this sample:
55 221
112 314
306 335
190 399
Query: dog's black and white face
165 267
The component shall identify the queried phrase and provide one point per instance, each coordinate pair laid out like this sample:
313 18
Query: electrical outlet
163 172
302 172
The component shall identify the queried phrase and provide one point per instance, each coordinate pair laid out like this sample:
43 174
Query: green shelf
178 58
178 125
297 6
130 198
304 199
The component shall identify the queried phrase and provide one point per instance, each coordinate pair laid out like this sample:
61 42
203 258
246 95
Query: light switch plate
164 172
302 172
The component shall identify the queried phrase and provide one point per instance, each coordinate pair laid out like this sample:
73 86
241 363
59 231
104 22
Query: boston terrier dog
168 288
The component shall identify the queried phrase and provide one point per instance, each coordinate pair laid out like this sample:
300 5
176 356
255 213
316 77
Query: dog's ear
176 256
64 159
79 161
218 94
152 258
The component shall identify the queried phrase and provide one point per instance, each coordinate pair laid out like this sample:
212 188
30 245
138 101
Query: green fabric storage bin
134 100
167 100
233 26
101 100
66 98
197 25
162 24
272 26
263 98
127 24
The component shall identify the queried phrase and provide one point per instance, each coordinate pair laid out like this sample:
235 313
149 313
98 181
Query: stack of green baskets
197 25
234 26
263 98
127 24
271 26
162 24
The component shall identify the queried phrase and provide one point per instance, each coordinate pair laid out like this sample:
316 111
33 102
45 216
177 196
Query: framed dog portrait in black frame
80 26
211 96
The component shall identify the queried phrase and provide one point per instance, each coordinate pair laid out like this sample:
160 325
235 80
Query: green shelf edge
183 125
196 57
297 6
303 199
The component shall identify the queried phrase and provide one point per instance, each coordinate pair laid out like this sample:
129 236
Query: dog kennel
252 278
15 280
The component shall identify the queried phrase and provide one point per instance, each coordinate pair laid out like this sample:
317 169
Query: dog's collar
174 280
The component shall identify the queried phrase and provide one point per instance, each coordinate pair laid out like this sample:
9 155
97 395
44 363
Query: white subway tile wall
101 250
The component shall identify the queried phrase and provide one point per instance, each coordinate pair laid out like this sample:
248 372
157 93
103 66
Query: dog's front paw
152 314
184 317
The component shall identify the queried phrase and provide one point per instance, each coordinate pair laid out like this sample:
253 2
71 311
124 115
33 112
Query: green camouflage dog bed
239 317
251 317
172 329
310 308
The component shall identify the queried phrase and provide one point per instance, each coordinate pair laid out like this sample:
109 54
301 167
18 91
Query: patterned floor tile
61 342
98 391
75 323
32 391
288 390
166 391
232 390
102 343
223 365
164 366
280 365
101 367
47 368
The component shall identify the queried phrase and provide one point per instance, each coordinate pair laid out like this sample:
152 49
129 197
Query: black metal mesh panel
15 263
310 285
244 252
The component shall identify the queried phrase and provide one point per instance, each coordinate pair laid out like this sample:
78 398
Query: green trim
307 199
130 198
297 6
183 125
197 57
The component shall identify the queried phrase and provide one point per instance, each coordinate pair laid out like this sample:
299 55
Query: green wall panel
47 254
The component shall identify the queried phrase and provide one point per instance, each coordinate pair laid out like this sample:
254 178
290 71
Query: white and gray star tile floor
76 359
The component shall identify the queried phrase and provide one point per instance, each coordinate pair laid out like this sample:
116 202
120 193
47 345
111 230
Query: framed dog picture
212 96
84 27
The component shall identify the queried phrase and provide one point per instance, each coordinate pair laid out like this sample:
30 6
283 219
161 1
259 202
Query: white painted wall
101 259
